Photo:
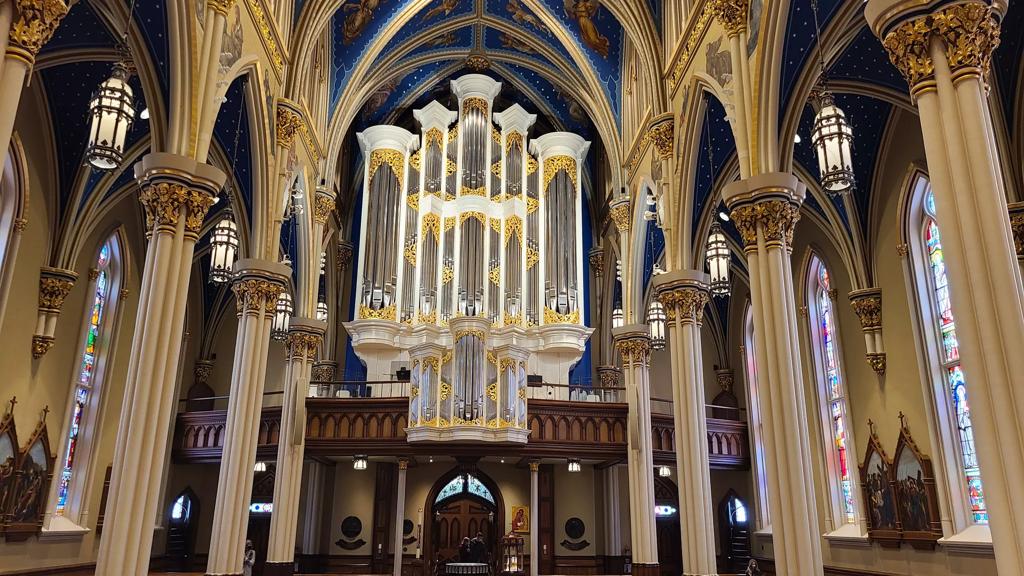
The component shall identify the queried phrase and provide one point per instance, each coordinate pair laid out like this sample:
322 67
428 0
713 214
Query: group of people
473 551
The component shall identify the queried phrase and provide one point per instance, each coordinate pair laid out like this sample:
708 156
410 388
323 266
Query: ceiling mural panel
392 98
458 41
423 29
499 42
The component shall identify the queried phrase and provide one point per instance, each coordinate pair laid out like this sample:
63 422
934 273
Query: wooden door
259 533
456 520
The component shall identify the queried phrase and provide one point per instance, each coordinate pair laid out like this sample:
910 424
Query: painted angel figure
356 22
446 6
583 11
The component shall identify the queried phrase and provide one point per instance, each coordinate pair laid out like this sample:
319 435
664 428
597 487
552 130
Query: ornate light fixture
832 136
574 465
664 471
617 319
282 317
111 111
359 463
718 257
656 324
223 249
259 467
321 311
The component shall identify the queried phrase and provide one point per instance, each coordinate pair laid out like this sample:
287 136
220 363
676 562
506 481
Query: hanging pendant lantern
718 258
111 111
321 311
656 323
223 249
282 317
833 143
617 318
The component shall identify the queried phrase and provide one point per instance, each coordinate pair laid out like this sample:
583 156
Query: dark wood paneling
199 436
546 518
579 565
767 566
383 512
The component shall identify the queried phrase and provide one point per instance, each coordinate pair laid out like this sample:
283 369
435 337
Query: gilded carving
254 294
220 6
163 202
434 136
41 345
202 371
561 162
726 379
693 38
877 362
634 350
531 165
492 391
513 139
427 318
416 159
513 226
473 214
621 213
777 220
36 23
662 136
552 317
597 261
512 319
386 313
449 223
732 14
1017 227
344 254
495 275
474 103
532 257
20 224
410 253
432 224
288 125
447 274
608 376
869 310
323 372
685 303
303 344
322 206
393 158
267 35
413 201
53 290
478 334
531 205
481 191
445 390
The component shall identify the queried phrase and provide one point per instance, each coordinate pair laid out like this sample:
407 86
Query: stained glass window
86 371
464 483
825 324
950 356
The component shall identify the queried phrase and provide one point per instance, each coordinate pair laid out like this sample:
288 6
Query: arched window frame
843 498
762 518
75 516
957 516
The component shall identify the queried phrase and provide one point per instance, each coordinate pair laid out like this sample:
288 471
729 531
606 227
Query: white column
176 194
534 518
944 55
305 336
634 344
257 286
403 466
765 209
684 294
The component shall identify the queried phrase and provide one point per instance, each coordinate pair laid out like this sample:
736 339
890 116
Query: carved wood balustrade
376 426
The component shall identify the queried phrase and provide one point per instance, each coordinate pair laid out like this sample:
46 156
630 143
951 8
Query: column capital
620 210
731 14
36 22
684 294
323 204
597 261
258 284
305 335
202 371
288 122
1017 227
534 466
969 31
867 303
766 203
661 132
726 378
345 249
172 186
403 463
54 286
633 342
324 371
220 6
608 376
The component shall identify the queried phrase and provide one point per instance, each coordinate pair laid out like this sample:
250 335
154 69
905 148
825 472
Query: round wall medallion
351 527
408 527
574 528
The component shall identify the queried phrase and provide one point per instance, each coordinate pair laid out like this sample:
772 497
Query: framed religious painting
8 463
917 501
879 494
520 519
34 470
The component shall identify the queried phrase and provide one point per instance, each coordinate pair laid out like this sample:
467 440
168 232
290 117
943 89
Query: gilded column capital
776 219
323 204
597 261
877 362
344 254
1017 227
323 371
202 371
256 294
20 224
36 22
166 202
726 379
608 376
220 6
534 465
621 213
303 344
289 122
41 345
634 344
732 14
684 302
661 133
54 286
867 304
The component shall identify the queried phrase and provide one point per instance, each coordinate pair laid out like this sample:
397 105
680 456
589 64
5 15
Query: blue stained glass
456 486
477 487
464 483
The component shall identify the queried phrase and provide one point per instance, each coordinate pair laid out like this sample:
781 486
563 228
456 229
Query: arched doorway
182 519
734 532
666 515
463 502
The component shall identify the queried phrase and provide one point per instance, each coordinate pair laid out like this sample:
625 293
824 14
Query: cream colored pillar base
634 345
176 193
304 338
765 209
684 295
257 286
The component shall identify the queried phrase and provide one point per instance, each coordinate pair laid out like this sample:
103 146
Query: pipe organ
470 267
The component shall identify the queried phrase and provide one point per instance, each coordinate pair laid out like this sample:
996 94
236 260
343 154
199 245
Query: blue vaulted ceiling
82 28
1007 61
716 146
494 28
233 124
799 42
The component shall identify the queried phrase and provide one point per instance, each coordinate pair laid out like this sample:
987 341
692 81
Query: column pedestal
304 338
176 194
684 295
634 344
257 286
765 209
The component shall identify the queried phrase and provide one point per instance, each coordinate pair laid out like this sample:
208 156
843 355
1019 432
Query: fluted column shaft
684 294
403 466
534 518
634 345
765 209
176 194
304 339
257 286
945 56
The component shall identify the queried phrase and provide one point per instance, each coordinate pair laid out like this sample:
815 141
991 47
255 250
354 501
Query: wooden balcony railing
376 426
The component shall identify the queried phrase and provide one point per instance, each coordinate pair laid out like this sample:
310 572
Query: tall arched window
939 316
831 392
73 462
